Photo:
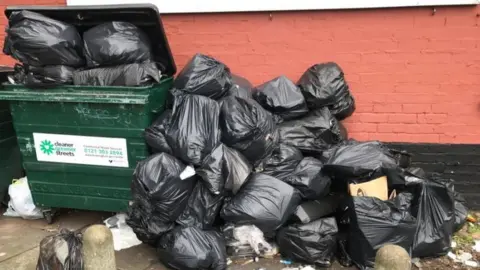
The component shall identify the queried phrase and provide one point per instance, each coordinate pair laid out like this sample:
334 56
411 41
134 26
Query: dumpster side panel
62 183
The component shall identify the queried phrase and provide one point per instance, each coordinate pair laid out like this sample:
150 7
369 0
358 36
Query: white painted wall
204 6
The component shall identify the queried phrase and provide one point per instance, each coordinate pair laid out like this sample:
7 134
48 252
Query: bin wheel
48 216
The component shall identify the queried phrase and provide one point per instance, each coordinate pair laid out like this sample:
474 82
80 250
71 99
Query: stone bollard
97 251
392 257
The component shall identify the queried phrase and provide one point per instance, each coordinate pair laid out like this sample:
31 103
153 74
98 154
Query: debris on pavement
21 201
123 235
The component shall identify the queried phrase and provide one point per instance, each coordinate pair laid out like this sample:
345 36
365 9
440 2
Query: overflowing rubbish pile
55 53
237 169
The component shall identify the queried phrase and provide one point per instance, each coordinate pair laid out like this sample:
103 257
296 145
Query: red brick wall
415 76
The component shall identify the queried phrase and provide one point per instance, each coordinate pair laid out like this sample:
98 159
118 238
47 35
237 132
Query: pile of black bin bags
276 156
55 53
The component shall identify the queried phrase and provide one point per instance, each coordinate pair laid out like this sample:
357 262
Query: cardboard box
374 188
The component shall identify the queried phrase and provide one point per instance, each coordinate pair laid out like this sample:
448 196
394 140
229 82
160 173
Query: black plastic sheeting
248 127
434 208
312 243
461 211
204 75
37 40
191 248
155 134
314 209
225 169
194 129
202 209
282 162
116 43
374 223
313 133
52 252
121 75
324 85
263 201
160 196
357 162
240 87
309 179
281 97
43 77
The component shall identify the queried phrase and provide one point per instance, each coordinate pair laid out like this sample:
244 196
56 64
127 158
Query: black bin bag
374 223
309 179
193 131
313 133
190 248
357 162
160 194
324 85
281 97
155 134
204 75
36 40
240 87
248 127
61 251
263 201
116 43
434 208
225 169
461 211
121 75
282 162
312 210
202 209
43 77
312 243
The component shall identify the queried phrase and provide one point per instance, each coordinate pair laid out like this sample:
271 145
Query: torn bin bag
155 134
357 162
323 85
121 75
116 43
309 179
374 223
36 40
263 201
202 209
248 127
61 251
281 97
193 131
434 207
224 169
161 188
191 248
313 133
204 75
241 87
282 162
312 243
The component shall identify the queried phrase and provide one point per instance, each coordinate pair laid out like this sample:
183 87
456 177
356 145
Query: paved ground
19 240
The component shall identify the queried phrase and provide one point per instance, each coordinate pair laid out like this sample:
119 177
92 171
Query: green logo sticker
47 147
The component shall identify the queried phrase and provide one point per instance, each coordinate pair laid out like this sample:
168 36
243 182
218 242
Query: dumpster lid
144 16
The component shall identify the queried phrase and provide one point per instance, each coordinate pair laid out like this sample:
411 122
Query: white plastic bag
253 236
21 201
123 235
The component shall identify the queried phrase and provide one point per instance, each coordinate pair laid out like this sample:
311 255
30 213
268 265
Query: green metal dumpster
10 163
80 144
